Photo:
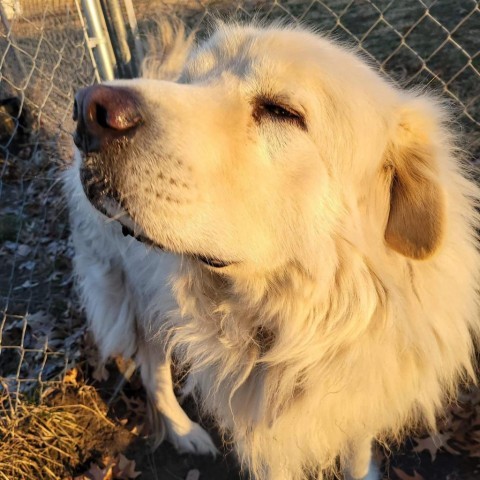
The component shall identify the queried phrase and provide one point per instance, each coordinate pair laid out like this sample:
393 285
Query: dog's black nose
104 113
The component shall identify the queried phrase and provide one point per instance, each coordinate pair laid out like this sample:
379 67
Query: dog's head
261 147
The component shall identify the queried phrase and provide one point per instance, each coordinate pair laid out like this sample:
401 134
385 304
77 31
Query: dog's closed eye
271 109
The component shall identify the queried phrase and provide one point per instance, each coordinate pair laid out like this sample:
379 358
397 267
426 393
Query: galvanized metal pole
119 38
99 39
8 37
87 41
132 20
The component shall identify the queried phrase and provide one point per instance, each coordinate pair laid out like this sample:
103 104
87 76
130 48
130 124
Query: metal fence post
99 39
119 38
132 20
8 32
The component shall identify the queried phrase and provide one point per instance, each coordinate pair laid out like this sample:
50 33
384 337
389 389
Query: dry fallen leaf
404 476
193 475
96 473
432 444
71 376
121 468
124 468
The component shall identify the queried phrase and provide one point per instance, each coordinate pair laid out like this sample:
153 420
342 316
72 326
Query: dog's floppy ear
416 218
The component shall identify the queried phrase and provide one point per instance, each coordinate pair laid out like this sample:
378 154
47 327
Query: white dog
306 246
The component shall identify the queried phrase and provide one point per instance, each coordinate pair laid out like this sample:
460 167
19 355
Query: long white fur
115 299
324 338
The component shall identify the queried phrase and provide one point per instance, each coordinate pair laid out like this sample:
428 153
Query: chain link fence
430 43
46 54
43 59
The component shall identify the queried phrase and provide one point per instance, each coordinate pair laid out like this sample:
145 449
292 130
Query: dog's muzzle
105 116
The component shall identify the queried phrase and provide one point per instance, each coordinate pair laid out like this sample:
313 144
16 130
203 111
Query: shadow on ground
454 454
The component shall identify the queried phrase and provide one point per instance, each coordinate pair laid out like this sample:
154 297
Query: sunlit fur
351 308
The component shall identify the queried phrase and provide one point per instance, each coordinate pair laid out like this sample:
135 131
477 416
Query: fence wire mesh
433 44
44 57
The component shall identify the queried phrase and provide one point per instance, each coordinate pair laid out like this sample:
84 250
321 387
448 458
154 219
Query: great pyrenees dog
274 217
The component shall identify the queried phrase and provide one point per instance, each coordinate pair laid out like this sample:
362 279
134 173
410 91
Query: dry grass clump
57 438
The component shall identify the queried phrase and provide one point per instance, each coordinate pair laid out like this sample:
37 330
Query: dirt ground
454 454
